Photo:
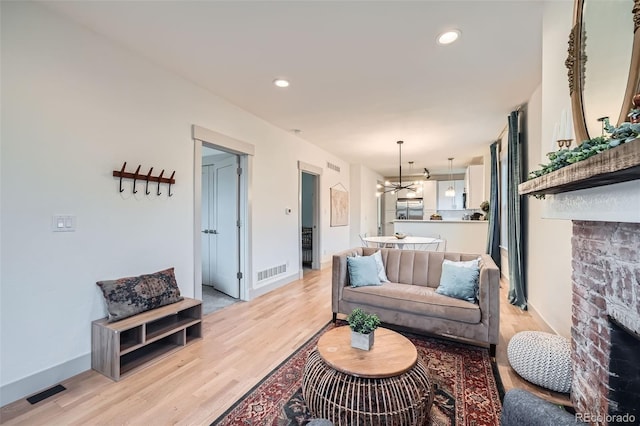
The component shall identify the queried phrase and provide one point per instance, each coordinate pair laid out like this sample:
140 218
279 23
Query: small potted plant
362 327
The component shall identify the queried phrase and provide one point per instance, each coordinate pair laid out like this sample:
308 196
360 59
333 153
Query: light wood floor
241 344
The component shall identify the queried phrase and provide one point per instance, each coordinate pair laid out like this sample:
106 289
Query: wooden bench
122 347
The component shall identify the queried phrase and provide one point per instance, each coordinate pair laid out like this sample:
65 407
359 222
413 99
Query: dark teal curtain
493 239
515 212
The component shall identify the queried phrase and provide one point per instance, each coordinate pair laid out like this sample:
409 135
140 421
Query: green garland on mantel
626 132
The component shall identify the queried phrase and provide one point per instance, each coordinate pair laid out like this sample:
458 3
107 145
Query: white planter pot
362 341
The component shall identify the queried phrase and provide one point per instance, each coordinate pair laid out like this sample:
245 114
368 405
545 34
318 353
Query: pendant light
450 192
396 187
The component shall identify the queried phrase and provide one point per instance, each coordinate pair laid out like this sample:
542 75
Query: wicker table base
345 399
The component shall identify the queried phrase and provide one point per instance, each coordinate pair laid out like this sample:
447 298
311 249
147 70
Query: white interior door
207 176
224 253
220 232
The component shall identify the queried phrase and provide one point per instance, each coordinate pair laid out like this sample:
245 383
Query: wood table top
391 355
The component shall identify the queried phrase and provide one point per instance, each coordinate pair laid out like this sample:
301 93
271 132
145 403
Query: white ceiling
363 74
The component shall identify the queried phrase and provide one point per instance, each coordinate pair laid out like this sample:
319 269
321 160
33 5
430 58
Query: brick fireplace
606 285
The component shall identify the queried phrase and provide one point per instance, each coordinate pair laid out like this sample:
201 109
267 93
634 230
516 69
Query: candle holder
566 143
603 120
634 115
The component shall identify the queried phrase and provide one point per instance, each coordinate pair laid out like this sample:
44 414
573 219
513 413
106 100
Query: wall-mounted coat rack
145 177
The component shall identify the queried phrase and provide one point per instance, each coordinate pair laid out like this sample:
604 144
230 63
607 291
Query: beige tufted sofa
409 299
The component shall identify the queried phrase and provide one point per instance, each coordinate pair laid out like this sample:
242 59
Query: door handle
213 231
206 231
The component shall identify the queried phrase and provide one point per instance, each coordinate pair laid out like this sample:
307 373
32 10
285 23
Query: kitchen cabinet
474 184
430 197
450 203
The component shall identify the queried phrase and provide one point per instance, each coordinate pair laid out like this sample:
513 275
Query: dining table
415 243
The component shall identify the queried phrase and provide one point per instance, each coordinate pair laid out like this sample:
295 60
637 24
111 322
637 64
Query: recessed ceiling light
281 82
448 37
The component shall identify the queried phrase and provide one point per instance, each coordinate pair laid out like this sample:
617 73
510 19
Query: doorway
309 217
220 218
243 153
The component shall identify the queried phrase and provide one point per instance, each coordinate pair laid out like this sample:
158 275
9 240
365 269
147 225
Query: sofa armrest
489 297
340 276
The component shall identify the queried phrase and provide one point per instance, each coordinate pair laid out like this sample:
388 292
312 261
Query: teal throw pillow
363 271
459 280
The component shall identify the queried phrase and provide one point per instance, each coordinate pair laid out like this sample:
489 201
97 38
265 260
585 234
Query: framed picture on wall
339 207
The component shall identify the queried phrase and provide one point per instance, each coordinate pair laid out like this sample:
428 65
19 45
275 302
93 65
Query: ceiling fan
395 187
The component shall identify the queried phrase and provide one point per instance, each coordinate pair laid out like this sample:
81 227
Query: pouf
541 358
521 407
320 422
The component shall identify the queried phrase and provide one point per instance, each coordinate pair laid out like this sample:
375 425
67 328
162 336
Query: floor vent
272 272
34 399
333 167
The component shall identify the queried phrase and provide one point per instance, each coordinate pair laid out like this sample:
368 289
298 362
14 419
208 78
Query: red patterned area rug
463 375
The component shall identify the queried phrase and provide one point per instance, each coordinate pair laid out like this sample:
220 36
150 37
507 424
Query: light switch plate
63 223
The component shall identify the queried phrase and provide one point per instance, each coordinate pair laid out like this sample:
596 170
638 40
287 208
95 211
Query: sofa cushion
382 275
414 299
422 268
363 271
406 266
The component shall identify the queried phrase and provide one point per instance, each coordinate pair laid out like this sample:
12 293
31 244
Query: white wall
549 240
74 107
363 214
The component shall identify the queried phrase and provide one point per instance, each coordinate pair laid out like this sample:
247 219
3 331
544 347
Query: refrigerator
409 208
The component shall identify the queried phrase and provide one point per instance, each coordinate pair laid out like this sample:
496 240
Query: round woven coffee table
387 385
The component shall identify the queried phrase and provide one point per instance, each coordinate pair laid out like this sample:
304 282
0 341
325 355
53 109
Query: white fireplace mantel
605 187
618 202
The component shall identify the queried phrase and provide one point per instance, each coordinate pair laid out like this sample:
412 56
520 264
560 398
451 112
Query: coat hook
146 188
160 180
121 173
135 176
170 179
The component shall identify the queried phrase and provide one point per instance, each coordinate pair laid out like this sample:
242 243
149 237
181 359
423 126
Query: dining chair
435 246
391 245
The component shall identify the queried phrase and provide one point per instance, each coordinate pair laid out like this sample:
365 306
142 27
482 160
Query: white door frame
227 261
317 172
245 151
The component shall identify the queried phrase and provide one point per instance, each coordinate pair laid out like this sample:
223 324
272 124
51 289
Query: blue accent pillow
363 271
459 280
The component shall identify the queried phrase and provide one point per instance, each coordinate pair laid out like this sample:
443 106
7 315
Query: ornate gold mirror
603 63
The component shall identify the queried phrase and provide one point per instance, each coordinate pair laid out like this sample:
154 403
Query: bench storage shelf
122 347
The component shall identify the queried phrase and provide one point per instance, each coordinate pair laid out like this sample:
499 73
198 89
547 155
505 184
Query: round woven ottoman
386 386
541 358
348 400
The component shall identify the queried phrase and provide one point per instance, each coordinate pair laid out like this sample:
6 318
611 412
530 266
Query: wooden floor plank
242 343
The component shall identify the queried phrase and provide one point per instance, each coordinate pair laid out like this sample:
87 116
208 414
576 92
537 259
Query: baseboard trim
266 288
34 383
539 318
